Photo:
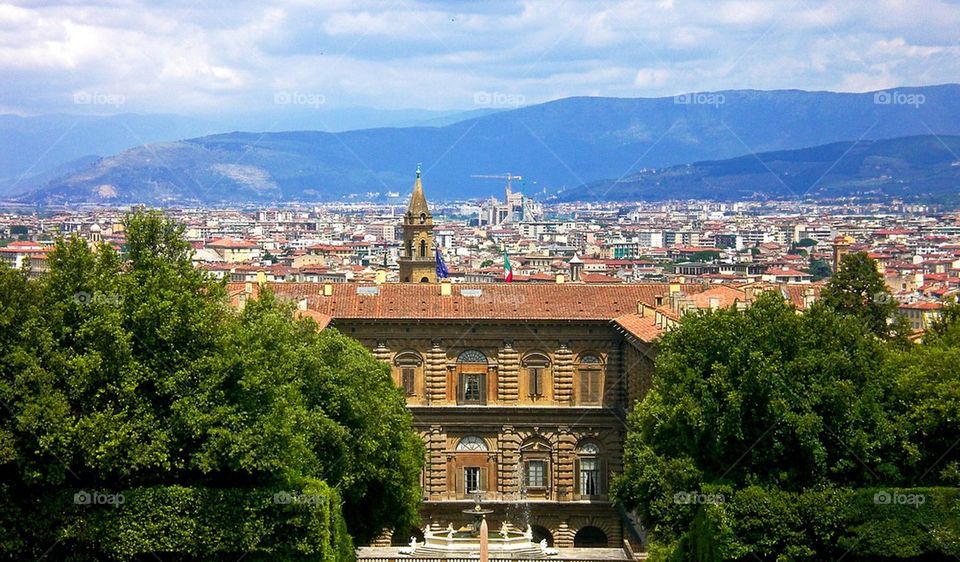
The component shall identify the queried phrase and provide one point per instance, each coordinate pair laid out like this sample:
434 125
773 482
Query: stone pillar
435 482
436 373
566 455
614 385
381 351
563 537
508 377
563 375
509 447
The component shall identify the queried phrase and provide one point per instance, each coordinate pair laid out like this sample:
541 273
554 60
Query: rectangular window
536 474
590 382
471 479
536 381
407 376
472 388
589 477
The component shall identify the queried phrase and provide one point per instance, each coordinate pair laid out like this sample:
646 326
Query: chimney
381 277
674 288
302 304
641 309
560 279
327 289
446 288
714 303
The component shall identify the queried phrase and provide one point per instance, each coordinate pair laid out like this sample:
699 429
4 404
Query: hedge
186 523
768 524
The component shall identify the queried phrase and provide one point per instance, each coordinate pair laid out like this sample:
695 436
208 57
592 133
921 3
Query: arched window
536 366
472 443
472 356
409 248
589 470
423 248
408 365
472 377
590 374
476 468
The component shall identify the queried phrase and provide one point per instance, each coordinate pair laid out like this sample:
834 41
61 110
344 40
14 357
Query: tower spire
418 202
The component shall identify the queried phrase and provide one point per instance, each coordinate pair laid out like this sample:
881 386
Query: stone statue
504 530
450 530
543 545
413 543
528 534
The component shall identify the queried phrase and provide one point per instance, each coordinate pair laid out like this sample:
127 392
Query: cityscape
497 281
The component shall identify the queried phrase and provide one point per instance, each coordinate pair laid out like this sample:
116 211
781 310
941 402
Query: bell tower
417 262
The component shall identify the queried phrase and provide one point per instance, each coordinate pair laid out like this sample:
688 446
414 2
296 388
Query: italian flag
507 270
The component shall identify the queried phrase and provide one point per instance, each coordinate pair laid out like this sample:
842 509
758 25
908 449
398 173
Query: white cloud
183 57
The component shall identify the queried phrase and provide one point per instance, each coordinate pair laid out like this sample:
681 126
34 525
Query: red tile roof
496 301
643 328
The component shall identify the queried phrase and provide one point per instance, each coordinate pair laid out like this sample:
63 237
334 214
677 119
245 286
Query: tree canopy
771 406
857 288
132 371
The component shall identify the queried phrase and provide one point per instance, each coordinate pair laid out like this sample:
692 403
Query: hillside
926 166
558 145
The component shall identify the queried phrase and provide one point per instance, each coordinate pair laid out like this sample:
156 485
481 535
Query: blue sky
198 56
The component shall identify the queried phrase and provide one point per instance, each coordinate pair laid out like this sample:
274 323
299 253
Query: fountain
468 541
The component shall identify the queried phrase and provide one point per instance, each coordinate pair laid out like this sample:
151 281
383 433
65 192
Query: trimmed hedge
768 524
193 523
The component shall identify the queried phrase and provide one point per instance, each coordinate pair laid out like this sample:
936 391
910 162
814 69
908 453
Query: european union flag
442 271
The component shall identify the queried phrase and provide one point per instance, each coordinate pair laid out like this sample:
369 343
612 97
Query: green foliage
795 421
819 269
769 524
136 376
707 256
858 289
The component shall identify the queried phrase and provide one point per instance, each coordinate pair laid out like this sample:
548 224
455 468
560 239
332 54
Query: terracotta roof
599 278
322 320
643 328
497 301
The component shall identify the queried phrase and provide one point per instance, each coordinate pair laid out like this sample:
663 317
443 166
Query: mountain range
562 147
924 167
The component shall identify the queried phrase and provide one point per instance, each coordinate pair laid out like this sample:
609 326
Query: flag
507 269
442 271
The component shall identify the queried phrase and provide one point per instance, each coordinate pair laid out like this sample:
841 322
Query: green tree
819 269
858 289
758 397
136 375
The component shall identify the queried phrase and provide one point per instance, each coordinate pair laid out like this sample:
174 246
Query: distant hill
556 146
926 166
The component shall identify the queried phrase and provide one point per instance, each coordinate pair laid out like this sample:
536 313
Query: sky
197 57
